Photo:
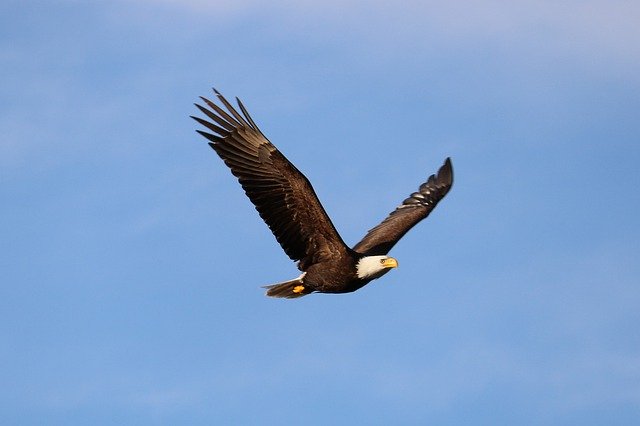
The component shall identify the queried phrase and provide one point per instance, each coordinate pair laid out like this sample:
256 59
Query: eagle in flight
288 204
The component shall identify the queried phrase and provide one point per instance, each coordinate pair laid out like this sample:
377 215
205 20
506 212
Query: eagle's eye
382 260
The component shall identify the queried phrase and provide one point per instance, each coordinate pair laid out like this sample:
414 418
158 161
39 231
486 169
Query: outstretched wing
282 195
383 237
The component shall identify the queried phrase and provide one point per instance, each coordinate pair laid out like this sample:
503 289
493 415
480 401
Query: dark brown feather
383 237
282 195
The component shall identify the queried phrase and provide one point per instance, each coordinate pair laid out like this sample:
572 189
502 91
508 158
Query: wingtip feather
446 171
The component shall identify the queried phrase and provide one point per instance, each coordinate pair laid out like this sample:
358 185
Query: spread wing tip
445 174
213 138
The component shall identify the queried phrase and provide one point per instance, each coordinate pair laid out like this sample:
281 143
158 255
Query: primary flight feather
288 204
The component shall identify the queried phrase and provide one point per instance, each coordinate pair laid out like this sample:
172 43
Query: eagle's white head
371 267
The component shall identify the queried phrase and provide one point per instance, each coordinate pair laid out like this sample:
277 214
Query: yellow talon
298 289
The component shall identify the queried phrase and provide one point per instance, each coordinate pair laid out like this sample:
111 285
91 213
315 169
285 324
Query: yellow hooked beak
390 263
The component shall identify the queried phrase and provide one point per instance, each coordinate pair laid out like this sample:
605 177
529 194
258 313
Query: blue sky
131 260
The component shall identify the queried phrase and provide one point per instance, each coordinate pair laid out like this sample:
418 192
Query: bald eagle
288 204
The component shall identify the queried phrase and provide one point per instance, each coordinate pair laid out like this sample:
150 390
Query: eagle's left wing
283 196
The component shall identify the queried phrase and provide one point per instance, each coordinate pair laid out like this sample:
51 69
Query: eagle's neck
371 267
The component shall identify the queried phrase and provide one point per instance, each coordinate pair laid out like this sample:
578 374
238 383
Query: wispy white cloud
593 35
599 30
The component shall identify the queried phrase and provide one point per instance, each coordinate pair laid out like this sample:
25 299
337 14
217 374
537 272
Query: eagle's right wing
383 237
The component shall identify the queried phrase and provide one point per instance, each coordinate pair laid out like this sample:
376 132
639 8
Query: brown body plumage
288 204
